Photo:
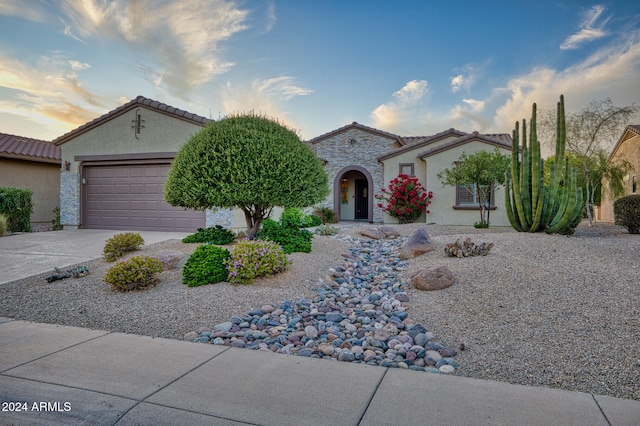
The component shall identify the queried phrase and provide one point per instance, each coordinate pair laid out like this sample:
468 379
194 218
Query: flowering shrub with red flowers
405 198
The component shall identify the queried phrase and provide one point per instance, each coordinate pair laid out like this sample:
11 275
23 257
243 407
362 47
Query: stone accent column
69 199
222 217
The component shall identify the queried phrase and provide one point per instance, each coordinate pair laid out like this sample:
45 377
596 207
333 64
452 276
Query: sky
413 68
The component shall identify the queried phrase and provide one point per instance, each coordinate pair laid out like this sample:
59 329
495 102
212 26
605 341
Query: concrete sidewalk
34 253
71 376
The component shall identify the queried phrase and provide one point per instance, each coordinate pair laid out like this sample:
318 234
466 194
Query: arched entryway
353 194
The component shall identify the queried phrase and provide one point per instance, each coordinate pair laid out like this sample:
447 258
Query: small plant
467 248
55 222
255 258
290 237
215 234
135 273
405 198
626 211
119 244
311 220
205 266
326 230
325 214
4 224
481 225
293 215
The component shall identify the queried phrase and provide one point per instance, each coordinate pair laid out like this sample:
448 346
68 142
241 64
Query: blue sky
406 67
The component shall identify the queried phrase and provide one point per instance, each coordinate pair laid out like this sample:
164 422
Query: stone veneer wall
69 198
339 152
222 217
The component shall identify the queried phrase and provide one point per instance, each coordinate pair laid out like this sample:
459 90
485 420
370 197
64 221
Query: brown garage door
131 197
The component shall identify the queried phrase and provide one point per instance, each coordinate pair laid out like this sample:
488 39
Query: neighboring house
627 148
116 166
32 164
361 160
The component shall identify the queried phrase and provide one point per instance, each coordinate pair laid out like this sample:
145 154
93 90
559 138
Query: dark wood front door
362 200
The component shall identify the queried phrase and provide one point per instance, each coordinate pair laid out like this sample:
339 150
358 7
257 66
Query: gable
359 127
630 132
138 102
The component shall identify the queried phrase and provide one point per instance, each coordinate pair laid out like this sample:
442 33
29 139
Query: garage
131 197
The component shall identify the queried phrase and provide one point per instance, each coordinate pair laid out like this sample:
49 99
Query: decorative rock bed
358 315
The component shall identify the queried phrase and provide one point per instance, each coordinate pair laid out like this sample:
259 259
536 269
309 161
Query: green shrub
4 224
205 266
255 258
119 244
325 214
310 221
216 235
326 230
135 273
17 206
481 225
290 237
292 215
626 211
55 222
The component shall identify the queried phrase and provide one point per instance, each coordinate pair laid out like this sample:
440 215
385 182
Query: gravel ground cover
541 310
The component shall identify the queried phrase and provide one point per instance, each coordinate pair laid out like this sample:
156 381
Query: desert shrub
325 214
290 237
4 224
56 225
326 230
135 273
119 244
215 234
205 266
292 215
626 211
310 221
481 225
255 258
17 206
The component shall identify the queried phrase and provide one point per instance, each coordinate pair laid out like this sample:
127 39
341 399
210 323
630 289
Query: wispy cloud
23 9
590 29
603 74
271 17
464 80
179 41
392 116
266 96
49 92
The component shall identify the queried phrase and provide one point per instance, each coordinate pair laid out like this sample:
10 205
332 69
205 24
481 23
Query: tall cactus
531 205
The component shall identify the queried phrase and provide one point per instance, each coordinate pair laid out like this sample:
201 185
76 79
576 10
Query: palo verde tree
246 161
484 171
591 134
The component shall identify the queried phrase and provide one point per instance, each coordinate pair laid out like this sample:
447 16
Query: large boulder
170 259
418 244
433 278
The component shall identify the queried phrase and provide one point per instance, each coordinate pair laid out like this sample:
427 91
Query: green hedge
17 206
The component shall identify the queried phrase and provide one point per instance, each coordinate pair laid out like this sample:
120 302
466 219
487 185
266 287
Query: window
407 169
344 191
467 198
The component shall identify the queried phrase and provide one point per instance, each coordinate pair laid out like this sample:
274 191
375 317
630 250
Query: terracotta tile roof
23 148
501 140
420 141
358 126
137 102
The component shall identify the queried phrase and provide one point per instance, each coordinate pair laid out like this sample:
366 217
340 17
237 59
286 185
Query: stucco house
627 148
115 168
361 160
33 164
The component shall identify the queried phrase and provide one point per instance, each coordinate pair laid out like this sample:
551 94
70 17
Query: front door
362 200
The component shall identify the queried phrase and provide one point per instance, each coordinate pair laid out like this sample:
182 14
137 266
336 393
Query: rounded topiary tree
246 161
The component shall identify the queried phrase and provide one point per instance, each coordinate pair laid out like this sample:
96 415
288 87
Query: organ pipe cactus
531 205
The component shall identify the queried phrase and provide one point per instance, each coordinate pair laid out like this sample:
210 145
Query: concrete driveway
24 255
